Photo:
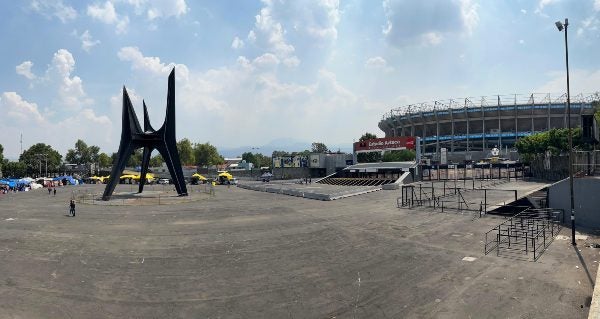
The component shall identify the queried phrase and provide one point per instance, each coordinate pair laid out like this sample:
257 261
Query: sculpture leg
145 163
125 150
171 157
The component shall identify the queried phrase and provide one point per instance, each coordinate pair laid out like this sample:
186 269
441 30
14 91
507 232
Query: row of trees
41 158
555 141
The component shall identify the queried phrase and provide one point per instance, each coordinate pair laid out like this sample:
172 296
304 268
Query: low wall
586 197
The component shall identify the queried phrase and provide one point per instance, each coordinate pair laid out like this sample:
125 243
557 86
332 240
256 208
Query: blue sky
249 72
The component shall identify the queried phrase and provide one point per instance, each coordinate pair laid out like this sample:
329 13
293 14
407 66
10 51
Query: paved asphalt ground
248 254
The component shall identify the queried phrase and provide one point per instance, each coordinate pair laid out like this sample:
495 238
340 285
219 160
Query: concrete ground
248 254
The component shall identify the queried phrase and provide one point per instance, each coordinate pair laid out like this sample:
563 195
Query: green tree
370 157
40 152
399 156
262 160
280 153
249 158
82 153
206 155
186 152
104 160
156 160
555 140
14 169
136 158
318 147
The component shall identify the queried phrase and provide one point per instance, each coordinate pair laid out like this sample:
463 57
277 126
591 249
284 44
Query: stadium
469 127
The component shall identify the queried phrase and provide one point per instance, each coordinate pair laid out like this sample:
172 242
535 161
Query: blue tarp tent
69 179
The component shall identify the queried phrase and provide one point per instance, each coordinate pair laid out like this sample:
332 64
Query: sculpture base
146 198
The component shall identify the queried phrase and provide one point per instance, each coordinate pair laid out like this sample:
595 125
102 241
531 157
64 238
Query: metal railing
529 233
460 196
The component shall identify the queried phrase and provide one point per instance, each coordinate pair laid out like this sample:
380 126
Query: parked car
163 181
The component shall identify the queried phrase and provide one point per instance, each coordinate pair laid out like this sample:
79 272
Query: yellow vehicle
99 179
130 178
225 177
197 179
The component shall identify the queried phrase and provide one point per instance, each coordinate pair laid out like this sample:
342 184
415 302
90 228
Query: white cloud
266 60
597 5
87 41
523 11
54 8
431 38
521 41
24 69
581 81
378 63
71 94
224 95
542 4
311 21
166 8
151 65
443 17
16 109
237 43
106 14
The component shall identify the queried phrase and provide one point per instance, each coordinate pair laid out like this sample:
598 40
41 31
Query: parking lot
249 254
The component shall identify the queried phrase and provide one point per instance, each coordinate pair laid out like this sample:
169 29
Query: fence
164 196
460 196
556 167
530 231
472 171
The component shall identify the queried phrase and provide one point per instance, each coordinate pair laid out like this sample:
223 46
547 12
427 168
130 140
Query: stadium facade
470 126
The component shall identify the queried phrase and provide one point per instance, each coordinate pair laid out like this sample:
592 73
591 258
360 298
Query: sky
251 72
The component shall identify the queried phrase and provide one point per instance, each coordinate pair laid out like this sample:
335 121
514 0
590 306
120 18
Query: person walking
54 191
72 208
49 190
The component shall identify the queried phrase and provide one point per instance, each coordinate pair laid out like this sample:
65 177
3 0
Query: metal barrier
530 231
450 195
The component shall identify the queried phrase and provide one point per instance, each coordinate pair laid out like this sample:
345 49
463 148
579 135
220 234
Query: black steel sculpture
163 140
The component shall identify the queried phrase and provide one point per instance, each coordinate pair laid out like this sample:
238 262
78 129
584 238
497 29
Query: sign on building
385 144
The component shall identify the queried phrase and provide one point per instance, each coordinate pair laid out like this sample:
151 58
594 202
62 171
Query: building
472 126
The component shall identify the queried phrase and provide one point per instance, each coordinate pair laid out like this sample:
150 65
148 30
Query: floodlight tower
560 26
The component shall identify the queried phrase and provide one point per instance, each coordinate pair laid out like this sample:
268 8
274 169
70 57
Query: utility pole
45 157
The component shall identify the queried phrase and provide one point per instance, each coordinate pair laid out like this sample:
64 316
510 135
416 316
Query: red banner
385 144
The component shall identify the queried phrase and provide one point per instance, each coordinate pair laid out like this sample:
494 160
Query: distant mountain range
280 144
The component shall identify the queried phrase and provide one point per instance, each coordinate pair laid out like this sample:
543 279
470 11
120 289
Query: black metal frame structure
163 140
450 195
530 231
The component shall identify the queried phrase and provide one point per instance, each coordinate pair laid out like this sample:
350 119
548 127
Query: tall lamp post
560 27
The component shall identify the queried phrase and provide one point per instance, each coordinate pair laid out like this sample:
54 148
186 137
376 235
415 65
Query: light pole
560 27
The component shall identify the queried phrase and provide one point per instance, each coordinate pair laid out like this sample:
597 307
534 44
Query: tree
370 157
104 160
33 156
136 158
14 169
399 156
156 160
249 158
186 152
82 153
206 155
317 147
280 153
262 160
556 141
